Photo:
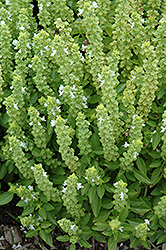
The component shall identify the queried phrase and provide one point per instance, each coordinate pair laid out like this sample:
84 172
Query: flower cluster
141 231
120 195
159 210
71 228
69 197
115 225
92 176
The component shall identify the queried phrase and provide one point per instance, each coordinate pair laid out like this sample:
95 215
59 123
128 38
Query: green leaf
84 220
155 164
142 177
99 237
42 213
48 207
63 238
27 210
112 165
155 140
36 152
123 214
151 124
84 243
11 168
107 203
5 198
161 239
103 216
162 222
31 233
46 237
45 224
120 88
72 247
134 242
100 226
3 171
92 193
141 165
112 243
51 217
156 175
96 205
34 97
154 154
94 99
100 191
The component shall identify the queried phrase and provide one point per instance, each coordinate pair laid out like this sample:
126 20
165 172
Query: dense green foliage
83 120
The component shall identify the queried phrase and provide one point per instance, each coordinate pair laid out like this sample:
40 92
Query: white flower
58 109
11 87
45 104
47 48
65 183
40 218
164 121
31 227
143 125
33 196
32 167
142 20
83 47
100 120
23 89
44 174
10 149
71 63
95 4
43 118
57 101
126 145
133 127
30 187
39 123
154 131
93 180
102 82
2 22
14 42
66 50
19 51
116 183
64 189
80 11
134 116
113 74
31 123
84 98
72 96
133 78
53 52
98 177
151 140
15 106
162 129
26 200
79 186
120 229
28 46
52 123
99 77
22 144
147 222
82 59
7 2
22 228
89 54
22 28
135 154
72 227
86 178
85 105
61 87
122 196
2 238
30 65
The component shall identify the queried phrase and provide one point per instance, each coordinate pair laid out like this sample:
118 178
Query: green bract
83 119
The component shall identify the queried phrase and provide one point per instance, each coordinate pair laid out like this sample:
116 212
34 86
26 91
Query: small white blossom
66 51
82 59
116 183
93 180
11 87
126 145
22 228
99 77
147 222
10 149
134 116
72 227
2 22
142 20
52 123
84 98
22 28
39 123
79 186
164 121
133 127
86 178
53 52
89 54
22 144
133 78
28 46
23 89
71 63
83 47
44 174
30 65
162 129
102 82
122 196
14 42
47 48
26 200
31 123
43 119
120 229
65 183
7 2
15 106
45 104
30 187
154 131
72 96
19 51
113 74
143 125
40 218
31 227
2 238
57 101
98 177
58 109
100 120
95 4
80 11
135 154
32 167
64 189
85 105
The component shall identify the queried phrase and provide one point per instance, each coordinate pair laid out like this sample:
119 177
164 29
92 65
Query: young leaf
5 198
96 205
100 191
92 193
84 243
112 243
63 238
